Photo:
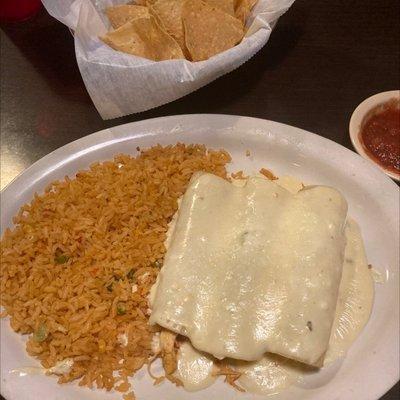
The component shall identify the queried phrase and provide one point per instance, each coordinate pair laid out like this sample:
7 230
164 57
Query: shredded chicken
168 352
169 345
231 376
268 174
239 175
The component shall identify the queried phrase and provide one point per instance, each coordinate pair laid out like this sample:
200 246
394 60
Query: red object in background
18 10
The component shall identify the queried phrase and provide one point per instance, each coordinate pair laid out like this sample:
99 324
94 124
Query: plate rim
102 133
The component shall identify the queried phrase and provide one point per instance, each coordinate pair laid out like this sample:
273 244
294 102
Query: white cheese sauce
194 369
257 247
60 368
270 375
356 296
28 371
274 373
377 276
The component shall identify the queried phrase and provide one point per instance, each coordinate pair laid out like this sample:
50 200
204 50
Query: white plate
357 118
370 368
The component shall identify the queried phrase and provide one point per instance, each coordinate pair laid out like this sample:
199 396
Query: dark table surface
323 59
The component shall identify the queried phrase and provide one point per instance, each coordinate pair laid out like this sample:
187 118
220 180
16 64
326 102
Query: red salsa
380 135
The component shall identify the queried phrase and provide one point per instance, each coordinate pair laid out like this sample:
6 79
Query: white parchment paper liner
121 84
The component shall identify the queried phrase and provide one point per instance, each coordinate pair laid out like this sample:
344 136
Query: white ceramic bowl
357 118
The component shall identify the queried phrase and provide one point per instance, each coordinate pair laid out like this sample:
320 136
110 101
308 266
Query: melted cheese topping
356 296
60 368
194 369
273 373
260 248
270 375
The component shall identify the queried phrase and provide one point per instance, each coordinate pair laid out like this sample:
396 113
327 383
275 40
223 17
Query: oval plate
370 368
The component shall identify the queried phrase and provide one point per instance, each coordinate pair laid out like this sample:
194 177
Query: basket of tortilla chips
141 54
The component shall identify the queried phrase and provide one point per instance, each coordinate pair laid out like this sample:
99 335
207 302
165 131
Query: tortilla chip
120 15
143 37
243 9
208 30
169 15
224 5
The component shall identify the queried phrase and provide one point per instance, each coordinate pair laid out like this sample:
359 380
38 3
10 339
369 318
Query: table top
322 60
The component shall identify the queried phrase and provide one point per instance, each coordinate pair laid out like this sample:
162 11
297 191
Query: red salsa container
380 135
